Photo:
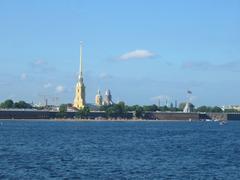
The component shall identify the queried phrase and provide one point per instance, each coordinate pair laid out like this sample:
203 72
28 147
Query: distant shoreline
96 120
102 116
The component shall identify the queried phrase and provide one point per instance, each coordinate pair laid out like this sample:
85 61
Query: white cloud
60 89
39 62
137 54
105 76
23 76
41 66
47 85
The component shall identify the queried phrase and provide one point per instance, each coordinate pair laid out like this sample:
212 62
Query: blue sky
141 50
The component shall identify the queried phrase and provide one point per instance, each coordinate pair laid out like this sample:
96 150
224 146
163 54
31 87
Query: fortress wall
233 116
24 115
217 116
28 114
221 116
171 116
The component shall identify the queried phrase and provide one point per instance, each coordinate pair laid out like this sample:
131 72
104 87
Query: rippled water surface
119 150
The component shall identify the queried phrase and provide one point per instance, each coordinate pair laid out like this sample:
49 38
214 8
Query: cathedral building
80 96
79 101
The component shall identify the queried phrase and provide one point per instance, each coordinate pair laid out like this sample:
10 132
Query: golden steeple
79 101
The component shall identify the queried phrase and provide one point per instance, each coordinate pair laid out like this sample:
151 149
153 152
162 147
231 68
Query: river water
119 150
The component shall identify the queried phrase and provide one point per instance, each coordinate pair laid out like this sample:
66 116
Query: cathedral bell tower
79 101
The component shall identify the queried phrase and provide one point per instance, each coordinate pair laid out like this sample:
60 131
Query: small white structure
235 107
188 108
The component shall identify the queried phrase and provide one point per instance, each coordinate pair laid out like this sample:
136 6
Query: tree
22 105
165 108
203 109
18 105
62 111
217 109
131 108
120 108
104 107
111 112
209 109
139 112
83 113
150 108
63 108
117 110
7 104
231 110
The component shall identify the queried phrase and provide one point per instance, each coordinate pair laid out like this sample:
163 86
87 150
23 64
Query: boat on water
222 123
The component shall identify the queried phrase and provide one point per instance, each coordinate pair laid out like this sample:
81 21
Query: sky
141 50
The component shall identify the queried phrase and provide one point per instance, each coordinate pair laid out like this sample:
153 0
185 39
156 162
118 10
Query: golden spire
79 101
81 63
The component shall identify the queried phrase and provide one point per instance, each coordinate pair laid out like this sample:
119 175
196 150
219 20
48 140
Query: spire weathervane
81 64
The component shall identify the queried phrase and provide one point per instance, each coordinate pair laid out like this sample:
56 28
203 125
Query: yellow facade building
98 99
79 101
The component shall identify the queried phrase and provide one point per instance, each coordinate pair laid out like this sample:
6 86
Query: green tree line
82 113
10 104
120 109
